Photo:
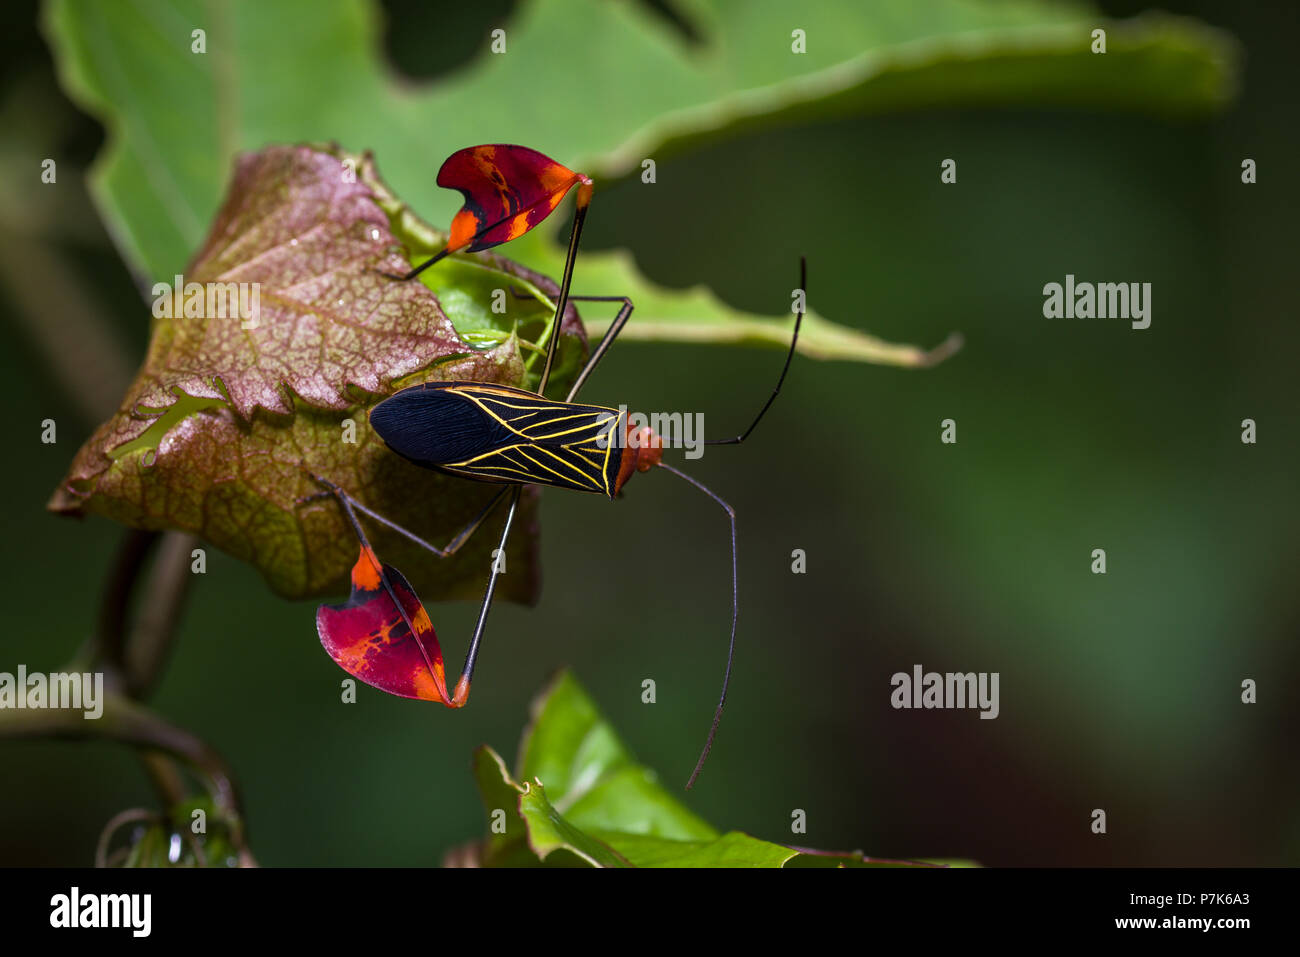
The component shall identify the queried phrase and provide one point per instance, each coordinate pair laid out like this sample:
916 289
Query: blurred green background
1119 692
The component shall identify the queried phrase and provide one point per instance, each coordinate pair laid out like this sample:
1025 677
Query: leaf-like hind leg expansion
381 572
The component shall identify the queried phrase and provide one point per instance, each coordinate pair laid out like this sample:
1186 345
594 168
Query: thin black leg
418 269
461 694
457 541
579 214
615 327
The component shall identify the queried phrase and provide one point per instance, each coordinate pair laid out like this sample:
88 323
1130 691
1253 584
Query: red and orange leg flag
371 639
508 190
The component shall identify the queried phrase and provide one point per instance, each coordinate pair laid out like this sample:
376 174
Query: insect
500 435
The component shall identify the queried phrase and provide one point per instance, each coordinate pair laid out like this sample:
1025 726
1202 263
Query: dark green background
1118 692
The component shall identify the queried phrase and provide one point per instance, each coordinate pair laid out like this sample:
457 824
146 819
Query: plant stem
130 722
109 645
160 607
132 659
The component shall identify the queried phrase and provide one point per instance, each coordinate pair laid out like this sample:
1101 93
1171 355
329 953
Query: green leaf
591 776
501 801
733 849
231 412
584 800
525 829
280 73
697 316
548 832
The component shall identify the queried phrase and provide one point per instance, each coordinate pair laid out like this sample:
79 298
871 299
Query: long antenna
731 514
735 613
794 339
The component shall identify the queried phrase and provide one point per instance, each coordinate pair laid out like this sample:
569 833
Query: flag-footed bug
500 435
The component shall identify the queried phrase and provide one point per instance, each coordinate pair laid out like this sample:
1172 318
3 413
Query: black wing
493 433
